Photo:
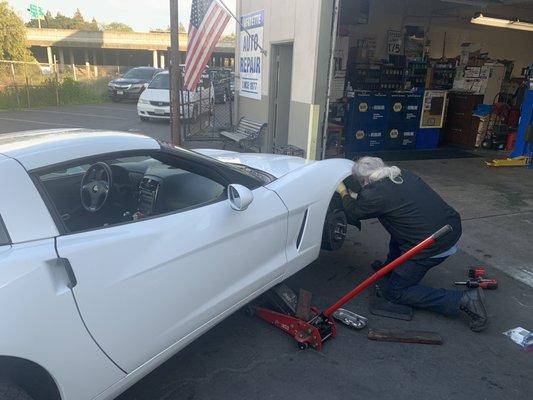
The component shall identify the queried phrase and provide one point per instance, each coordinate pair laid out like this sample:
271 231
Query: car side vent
302 228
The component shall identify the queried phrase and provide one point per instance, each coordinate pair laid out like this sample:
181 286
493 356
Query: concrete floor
244 358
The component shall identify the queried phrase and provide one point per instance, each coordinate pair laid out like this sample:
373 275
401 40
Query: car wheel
144 119
335 229
11 391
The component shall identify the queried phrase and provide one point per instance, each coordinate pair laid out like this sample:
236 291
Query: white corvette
116 251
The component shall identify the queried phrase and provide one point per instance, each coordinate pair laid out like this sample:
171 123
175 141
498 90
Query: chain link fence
209 109
28 85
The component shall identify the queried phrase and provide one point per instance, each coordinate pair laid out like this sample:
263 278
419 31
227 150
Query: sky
139 14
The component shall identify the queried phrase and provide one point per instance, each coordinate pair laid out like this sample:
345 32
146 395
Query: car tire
144 119
335 230
11 391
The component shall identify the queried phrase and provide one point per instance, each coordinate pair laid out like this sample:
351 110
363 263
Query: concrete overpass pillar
154 58
95 62
49 55
61 59
162 60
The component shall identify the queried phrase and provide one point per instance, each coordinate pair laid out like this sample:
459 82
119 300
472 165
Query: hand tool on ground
320 326
476 279
488 284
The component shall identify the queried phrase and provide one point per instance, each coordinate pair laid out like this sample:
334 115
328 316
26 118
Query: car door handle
65 264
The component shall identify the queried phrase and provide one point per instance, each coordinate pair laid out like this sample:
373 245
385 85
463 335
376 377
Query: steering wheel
96 186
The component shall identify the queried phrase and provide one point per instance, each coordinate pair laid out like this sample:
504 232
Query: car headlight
111 85
142 101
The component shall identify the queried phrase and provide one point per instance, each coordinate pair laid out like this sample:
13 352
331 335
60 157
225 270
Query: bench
245 133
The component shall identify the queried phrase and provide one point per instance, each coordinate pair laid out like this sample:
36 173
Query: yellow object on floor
510 162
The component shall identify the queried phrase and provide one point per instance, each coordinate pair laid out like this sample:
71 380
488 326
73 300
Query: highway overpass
100 48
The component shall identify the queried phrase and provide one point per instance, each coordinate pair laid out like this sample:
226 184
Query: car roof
37 149
149 68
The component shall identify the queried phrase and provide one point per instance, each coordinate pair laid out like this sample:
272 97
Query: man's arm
368 204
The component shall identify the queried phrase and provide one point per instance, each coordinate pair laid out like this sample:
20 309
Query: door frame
273 81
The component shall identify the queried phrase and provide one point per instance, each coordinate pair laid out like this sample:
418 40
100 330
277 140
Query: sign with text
36 12
394 42
251 59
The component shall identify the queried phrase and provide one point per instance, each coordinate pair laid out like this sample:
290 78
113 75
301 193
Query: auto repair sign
251 59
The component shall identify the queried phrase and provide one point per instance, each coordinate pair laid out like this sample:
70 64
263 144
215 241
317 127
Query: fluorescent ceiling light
472 3
481 19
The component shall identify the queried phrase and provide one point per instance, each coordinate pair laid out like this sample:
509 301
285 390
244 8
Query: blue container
413 109
397 109
428 139
400 138
365 138
369 108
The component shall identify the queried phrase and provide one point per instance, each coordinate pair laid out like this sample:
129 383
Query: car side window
110 191
4 236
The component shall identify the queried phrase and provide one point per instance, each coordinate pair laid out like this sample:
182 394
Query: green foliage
61 21
117 26
12 35
68 90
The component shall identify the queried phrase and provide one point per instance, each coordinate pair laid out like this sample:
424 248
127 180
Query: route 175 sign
394 42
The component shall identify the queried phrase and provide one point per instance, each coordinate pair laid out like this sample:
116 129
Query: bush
67 90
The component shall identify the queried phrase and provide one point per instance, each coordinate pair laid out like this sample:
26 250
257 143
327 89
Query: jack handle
388 268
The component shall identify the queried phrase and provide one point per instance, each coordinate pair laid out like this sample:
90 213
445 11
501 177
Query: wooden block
398 335
303 309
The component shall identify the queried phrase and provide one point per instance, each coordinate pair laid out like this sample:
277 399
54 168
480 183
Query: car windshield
161 81
139 74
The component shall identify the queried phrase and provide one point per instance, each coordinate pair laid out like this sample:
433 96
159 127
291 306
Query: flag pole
175 76
263 51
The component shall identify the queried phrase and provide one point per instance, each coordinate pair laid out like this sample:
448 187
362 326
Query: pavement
244 358
110 116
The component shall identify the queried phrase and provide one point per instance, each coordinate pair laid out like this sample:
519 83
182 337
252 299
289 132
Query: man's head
373 169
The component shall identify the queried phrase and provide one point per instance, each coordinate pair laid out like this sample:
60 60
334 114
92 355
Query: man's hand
342 190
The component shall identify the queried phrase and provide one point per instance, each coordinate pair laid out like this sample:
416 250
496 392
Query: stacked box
400 139
404 120
383 121
367 122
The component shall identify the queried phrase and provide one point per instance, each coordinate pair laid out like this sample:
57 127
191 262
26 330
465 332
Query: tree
117 26
12 35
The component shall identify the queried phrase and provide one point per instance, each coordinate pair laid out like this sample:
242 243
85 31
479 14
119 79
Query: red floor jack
321 325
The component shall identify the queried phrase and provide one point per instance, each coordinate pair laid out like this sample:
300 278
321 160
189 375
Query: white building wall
296 22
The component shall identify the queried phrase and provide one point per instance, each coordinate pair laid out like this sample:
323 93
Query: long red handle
388 268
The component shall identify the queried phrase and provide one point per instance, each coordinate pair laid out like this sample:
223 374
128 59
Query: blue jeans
402 286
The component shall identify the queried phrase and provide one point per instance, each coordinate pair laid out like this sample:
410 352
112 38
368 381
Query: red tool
488 284
476 279
321 325
476 273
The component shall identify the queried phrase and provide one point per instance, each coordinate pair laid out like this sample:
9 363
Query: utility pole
175 75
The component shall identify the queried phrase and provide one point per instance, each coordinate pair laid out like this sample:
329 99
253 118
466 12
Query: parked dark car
132 83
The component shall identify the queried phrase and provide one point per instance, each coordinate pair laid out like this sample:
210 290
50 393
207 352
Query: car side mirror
240 197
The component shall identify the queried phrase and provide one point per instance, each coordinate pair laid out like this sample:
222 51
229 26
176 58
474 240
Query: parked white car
116 251
154 102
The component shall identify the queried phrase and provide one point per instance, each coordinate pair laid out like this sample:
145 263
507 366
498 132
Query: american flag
208 20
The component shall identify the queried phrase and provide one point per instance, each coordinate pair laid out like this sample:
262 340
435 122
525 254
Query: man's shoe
473 304
377 265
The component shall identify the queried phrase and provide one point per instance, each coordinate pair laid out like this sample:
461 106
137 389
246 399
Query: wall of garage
442 19
307 25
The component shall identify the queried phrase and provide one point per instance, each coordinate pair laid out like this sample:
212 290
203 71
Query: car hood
274 164
156 95
125 81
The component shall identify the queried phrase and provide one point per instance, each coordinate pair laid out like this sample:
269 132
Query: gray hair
373 169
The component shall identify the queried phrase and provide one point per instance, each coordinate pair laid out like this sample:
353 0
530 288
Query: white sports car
116 251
